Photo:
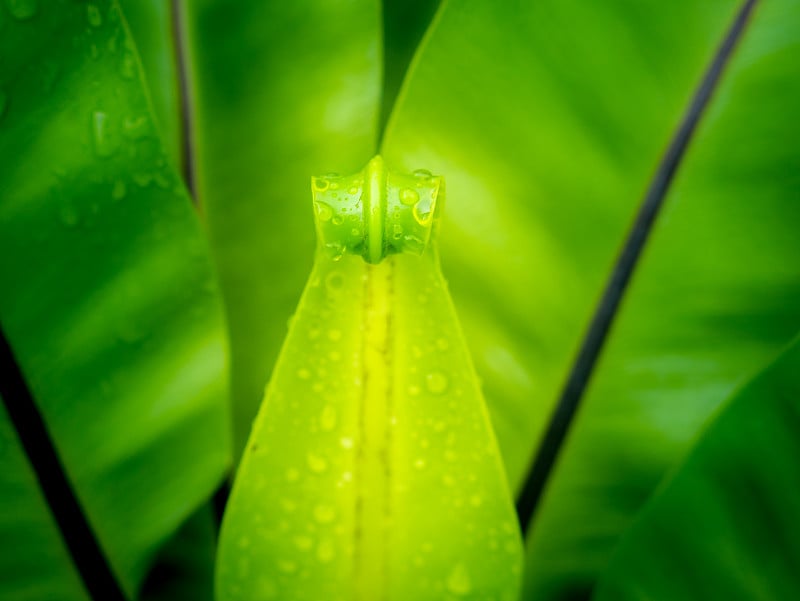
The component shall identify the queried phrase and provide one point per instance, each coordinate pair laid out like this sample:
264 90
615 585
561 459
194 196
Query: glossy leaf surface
151 26
716 294
726 524
108 299
542 197
540 203
372 471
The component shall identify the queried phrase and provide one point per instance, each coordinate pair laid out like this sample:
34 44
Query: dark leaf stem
595 337
83 546
189 167
187 143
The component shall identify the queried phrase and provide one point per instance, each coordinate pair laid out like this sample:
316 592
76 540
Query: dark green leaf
726 525
108 299
184 568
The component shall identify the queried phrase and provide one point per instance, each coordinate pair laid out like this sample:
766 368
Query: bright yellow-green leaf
372 471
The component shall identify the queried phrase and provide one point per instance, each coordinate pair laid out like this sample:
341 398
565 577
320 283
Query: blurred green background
146 326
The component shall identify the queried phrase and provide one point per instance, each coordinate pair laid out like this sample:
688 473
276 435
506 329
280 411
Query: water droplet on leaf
325 551
128 66
22 9
69 215
458 582
324 514
436 382
408 196
101 138
324 211
327 420
316 463
119 190
93 14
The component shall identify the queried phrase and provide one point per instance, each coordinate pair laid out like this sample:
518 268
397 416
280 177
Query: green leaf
726 524
108 301
25 521
283 90
541 197
372 471
716 293
151 26
580 99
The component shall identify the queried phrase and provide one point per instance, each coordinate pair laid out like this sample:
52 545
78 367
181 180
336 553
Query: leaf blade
743 501
372 470
112 310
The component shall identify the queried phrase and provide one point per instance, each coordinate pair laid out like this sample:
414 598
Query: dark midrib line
187 143
219 499
603 318
83 547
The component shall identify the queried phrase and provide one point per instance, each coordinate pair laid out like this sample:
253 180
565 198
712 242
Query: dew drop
119 190
337 220
128 66
423 173
69 215
327 420
22 9
422 212
143 179
316 463
436 382
458 582
134 127
324 211
325 551
324 514
93 14
321 184
334 281
419 463
353 190
303 373
334 335
292 475
409 197
288 567
346 442
303 542
442 344
103 146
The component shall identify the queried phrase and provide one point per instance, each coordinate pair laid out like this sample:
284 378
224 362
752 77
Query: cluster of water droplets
343 212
